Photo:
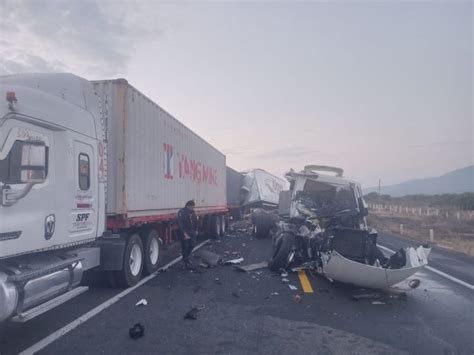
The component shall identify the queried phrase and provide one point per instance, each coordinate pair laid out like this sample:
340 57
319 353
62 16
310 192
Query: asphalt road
242 316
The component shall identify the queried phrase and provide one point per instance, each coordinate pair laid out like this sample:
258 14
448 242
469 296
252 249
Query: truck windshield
325 199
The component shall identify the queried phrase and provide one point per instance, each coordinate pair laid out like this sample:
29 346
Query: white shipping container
154 163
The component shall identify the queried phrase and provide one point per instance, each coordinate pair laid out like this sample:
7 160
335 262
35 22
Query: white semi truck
92 175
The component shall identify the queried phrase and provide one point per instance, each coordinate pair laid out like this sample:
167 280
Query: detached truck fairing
92 175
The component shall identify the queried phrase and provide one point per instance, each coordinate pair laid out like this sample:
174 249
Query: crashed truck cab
324 228
335 190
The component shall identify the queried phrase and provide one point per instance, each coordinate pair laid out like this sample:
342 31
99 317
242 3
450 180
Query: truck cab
51 191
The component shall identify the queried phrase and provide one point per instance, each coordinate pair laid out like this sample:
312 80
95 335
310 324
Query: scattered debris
233 261
283 273
137 331
378 302
244 245
205 266
366 295
414 283
274 294
217 281
285 280
294 288
142 302
209 258
192 314
252 267
402 296
297 298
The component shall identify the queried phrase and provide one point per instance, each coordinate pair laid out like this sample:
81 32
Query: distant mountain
454 182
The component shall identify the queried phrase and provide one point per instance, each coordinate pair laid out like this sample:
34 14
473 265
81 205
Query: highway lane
435 318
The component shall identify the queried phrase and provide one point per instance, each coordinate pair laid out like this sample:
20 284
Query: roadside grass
450 234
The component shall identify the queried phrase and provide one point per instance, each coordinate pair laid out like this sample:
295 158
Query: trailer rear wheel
152 251
133 262
223 224
214 226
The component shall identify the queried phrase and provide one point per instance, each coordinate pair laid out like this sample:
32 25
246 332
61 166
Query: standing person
187 222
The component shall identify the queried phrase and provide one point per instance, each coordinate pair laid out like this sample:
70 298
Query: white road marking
436 271
93 312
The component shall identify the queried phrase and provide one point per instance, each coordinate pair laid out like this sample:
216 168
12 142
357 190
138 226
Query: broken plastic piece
283 273
297 298
252 267
285 280
142 302
137 331
234 261
378 302
274 294
294 288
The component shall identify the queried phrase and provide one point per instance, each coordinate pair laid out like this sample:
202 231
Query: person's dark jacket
187 222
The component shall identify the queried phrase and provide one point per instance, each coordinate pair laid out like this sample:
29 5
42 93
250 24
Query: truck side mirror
364 209
33 163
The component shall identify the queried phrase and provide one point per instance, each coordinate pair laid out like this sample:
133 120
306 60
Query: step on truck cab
92 175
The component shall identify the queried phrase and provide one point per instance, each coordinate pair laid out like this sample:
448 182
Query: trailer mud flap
111 253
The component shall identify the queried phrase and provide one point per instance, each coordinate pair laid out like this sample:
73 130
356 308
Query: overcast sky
381 89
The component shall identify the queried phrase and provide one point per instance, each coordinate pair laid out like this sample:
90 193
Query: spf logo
82 217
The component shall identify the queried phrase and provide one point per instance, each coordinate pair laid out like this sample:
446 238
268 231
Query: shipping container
154 162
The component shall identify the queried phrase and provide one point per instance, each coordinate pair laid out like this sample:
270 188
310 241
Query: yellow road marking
305 282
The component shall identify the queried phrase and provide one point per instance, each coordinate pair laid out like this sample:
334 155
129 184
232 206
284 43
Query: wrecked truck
323 227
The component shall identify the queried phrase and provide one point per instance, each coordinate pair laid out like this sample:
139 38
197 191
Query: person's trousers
187 246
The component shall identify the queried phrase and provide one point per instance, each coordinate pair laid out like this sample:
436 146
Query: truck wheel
214 226
282 252
262 226
152 251
133 261
223 224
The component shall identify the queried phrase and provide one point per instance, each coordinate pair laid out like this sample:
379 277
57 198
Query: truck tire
214 227
281 252
223 224
262 226
152 252
133 262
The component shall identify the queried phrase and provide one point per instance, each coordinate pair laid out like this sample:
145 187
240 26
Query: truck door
84 209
